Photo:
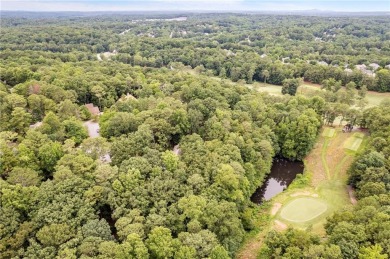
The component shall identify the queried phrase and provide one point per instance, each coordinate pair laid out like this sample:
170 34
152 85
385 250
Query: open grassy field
375 98
308 89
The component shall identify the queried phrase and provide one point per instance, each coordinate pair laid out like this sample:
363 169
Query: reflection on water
283 172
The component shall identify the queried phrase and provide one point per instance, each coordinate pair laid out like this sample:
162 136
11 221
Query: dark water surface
283 172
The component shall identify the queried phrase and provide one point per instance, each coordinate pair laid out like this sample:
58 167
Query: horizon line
196 10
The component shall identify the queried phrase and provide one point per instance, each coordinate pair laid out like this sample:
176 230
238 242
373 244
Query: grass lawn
375 98
271 89
353 142
303 209
328 132
307 89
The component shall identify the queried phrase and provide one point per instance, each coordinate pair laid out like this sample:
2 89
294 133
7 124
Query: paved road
93 132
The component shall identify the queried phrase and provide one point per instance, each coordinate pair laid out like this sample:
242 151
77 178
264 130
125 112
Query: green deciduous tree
290 86
160 243
54 234
75 130
20 120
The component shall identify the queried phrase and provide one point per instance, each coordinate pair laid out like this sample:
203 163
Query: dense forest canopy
185 150
269 48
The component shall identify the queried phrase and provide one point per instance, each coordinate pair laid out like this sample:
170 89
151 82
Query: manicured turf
353 142
303 209
328 132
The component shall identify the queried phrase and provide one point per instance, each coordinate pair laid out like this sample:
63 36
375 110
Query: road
93 128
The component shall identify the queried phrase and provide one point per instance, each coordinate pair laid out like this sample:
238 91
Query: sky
197 5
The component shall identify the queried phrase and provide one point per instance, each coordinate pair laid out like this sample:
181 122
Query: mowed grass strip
303 209
328 132
323 157
353 142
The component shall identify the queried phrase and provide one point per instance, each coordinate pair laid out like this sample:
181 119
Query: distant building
127 97
35 89
108 55
36 125
374 66
322 63
363 69
229 52
348 71
93 109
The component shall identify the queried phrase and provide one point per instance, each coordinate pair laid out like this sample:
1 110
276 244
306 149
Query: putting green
303 209
328 132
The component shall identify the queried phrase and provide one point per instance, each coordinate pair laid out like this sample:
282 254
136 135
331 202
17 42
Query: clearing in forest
306 89
327 165
307 206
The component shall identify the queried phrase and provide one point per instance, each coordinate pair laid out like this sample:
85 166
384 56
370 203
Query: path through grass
323 157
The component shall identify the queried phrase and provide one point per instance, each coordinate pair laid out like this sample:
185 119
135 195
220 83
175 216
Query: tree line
268 48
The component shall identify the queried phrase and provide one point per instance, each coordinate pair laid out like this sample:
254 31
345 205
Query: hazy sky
200 5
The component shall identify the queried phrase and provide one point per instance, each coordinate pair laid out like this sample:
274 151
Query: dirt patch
351 194
305 193
176 150
275 208
280 226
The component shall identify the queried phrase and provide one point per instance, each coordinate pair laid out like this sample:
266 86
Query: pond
283 172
